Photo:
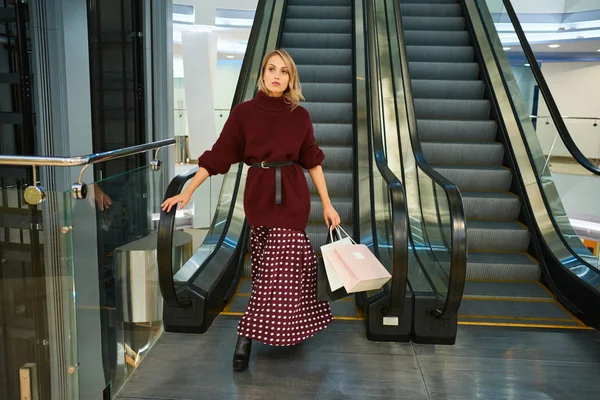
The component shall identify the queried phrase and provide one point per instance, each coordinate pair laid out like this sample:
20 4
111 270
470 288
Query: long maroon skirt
283 308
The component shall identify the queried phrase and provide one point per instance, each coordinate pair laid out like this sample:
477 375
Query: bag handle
339 228
331 234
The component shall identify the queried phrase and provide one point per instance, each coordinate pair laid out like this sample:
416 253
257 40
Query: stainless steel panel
137 276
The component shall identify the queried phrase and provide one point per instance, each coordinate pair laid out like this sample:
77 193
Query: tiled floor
339 363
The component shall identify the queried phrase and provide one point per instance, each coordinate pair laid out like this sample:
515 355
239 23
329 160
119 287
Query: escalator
525 265
215 280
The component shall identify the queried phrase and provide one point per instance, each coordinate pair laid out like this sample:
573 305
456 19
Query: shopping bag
357 267
326 274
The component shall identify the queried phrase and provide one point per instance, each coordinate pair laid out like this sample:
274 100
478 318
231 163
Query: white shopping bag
329 257
356 266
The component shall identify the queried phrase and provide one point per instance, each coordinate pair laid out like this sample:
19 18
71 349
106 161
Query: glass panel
553 163
119 305
229 199
37 307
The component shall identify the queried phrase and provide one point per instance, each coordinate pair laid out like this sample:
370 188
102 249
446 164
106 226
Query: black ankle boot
242 353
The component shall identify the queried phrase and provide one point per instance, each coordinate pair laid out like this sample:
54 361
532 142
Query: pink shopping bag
357 267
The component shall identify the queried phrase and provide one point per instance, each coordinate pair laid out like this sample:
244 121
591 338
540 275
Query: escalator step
433 23
444 153
497 236
342 205
319 2
317 26
430 10
316 40
450 54
522 290
452 109
325 73
473 178
323 12
339 113
491 205
444 70
328 92
339 184
334 134
436 38
318 57
492 266
447 89
456 131
338 158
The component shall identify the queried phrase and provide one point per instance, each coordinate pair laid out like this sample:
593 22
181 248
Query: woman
274 135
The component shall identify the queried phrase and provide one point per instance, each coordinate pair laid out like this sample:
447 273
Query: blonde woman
274 135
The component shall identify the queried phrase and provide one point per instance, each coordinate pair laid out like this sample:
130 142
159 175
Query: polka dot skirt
283 308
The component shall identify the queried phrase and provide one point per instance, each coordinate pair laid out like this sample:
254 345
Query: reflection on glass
36 298
562 177
114 241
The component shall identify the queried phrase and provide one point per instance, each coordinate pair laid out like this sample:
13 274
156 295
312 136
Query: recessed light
553 46
598 50
230 56
528 65
506 48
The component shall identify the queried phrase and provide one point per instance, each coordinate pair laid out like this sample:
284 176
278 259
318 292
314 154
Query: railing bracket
79 190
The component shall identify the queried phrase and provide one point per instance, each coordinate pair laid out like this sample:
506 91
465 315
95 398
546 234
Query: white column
199 51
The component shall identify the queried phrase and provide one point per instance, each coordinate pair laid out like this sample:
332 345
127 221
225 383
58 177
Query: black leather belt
277 166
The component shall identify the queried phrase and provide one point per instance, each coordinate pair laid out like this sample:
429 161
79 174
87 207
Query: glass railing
205 278
436 215
389 215
551 146
80 304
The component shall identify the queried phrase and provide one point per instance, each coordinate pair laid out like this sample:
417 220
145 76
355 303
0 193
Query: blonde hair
293 93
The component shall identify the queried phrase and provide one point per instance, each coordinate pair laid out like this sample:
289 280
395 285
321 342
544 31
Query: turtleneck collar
264 102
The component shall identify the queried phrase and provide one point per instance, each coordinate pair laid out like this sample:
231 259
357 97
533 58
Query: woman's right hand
182 199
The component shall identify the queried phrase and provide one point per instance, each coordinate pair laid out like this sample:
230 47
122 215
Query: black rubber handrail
458 235
166 223
559 122
395 187
164 246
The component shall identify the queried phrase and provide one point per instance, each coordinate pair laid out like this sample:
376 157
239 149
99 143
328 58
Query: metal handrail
31 161
36 194
565 117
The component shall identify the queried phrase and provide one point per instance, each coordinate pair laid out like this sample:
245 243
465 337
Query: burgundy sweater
267 129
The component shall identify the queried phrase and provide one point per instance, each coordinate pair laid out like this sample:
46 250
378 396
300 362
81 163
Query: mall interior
461 145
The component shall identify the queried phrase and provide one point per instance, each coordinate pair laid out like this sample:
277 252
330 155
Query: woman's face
276 76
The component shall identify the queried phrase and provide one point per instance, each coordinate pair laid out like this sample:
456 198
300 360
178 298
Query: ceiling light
528 65
553 46
598 50
230 56
506 48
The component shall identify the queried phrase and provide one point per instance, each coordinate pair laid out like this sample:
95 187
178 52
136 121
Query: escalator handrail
164 246
458 269
559 122
394 185
166 223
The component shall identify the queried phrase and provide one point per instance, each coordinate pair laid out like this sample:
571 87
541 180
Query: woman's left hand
332 218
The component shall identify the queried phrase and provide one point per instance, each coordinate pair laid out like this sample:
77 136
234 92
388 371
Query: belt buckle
262 165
